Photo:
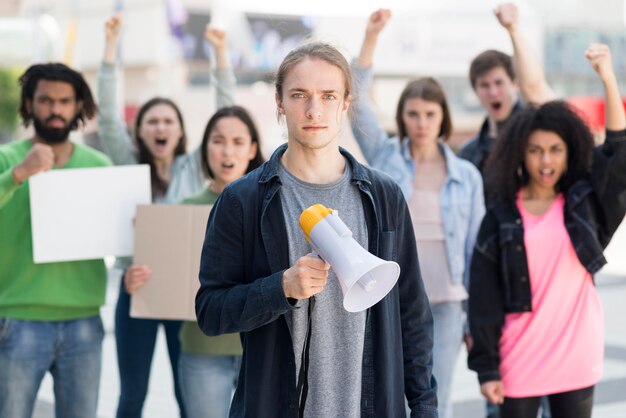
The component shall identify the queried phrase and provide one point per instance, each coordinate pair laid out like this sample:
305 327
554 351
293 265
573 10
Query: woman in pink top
535 316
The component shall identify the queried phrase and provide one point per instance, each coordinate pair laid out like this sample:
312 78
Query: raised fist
39 158
599 56
113 27
507 15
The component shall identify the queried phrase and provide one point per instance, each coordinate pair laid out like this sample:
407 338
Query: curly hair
56 72
504 180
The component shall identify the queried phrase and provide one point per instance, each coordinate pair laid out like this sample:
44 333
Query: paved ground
610 399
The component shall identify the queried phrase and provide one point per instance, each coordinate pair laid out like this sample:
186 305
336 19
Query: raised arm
367 130
376 23
530 75
608 172
112 131
224 80
599 56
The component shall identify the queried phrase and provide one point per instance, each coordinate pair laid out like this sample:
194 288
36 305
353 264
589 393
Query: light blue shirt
461 196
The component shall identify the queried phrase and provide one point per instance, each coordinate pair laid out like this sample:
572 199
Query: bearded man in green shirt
49 313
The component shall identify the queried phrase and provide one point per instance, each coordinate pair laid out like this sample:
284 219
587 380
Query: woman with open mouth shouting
160 141
534 313
208 368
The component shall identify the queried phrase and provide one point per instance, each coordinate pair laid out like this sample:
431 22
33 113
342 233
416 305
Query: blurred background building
163 51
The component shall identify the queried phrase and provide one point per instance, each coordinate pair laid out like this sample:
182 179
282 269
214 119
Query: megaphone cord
303 374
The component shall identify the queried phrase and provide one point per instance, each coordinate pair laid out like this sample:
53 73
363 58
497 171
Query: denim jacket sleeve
367 130
486 302
608 178
477 214
380 151
227 300
476 217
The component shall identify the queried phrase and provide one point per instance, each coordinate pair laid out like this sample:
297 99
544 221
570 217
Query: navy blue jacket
499 281
243 259
479 147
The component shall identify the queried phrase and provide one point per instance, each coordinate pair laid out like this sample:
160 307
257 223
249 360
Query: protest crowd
497 242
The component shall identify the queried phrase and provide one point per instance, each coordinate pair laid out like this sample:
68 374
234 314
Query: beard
53 135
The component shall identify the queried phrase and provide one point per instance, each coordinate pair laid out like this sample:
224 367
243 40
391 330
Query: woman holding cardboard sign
209 366
160 142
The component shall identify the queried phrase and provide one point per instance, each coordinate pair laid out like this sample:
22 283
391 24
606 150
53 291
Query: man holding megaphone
354 340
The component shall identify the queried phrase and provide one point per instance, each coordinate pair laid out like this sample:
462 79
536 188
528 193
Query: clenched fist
216 37
113 27
599 56
507 15
39 158
306 278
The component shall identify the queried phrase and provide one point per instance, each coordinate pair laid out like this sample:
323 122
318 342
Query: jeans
448 318
207 383
572 404
135 340
70 350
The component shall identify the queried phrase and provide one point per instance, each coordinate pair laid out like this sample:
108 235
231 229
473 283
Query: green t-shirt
50 291
192 338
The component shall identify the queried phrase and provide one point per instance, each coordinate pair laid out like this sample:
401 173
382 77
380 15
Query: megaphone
364 278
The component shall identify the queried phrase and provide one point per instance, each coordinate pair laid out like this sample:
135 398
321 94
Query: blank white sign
86 213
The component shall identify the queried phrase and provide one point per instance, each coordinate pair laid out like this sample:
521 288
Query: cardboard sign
169 239
86 213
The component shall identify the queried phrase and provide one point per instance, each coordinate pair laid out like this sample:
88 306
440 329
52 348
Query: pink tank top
559 346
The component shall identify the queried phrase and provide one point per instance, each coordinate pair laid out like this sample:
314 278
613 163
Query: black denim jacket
499 282
243 259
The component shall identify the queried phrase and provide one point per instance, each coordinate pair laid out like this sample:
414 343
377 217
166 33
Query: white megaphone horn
364 278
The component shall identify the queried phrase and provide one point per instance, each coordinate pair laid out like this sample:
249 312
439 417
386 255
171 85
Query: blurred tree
9 103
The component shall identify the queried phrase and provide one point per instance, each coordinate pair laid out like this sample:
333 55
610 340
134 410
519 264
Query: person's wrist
18 175
285 289
608 79
221 50
371 36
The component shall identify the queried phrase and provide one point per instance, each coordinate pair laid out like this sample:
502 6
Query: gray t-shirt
337 336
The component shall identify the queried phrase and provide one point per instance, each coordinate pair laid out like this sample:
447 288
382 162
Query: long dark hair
506 168
159 186
430 90
243 115
56 72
